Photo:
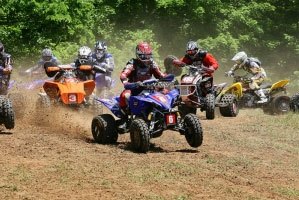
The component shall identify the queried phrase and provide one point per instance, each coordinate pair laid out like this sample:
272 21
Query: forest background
267 29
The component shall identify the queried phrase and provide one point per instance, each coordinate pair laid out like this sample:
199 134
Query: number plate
72 98
171 119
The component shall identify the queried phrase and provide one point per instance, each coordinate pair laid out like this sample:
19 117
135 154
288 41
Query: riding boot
123 123
261 94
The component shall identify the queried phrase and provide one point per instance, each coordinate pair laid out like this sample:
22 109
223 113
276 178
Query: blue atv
151 112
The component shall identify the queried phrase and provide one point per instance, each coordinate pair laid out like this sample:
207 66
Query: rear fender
72 92
51 89
279 84
89 87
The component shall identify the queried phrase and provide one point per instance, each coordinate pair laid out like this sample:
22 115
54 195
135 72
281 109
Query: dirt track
252 156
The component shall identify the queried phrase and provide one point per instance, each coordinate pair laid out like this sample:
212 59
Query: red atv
197 91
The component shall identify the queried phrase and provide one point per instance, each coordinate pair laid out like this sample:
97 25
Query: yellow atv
278 102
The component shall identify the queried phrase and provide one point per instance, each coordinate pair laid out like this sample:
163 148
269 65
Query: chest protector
247 66
197 59
142 73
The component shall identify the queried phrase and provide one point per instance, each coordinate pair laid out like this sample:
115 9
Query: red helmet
144 52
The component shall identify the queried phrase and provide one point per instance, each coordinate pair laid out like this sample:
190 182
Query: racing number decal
171 119
72 98
187 79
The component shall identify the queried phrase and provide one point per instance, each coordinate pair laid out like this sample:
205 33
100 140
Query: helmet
100 49
191 48
47 54
1 48
84 53
144 52
240 58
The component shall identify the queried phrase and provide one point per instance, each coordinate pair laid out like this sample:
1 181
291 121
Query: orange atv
67 89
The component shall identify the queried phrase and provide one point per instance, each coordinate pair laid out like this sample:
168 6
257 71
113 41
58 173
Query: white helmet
84 53
47 54
240 58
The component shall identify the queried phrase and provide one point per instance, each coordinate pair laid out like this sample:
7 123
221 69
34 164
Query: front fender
113 105
235 89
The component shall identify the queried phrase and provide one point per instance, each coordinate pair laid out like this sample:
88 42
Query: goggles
191 52
145 56
101 51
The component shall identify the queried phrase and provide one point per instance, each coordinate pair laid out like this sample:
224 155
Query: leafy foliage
267 29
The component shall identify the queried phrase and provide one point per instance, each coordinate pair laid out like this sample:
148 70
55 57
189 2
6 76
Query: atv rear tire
8 114
210 106
140 137
232 109
103 128
281 104
193 130
294 104
43 102
170 68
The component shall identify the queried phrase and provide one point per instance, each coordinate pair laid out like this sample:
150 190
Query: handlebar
243 79
201 69
99 69
151 84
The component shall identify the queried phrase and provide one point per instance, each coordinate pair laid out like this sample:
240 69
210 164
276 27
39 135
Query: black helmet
47 54
100 49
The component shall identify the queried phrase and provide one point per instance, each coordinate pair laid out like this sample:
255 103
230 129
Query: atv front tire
193 130
8 114
210 106
103 128
232 109
139 134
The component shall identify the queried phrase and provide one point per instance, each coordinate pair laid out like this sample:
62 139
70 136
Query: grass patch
21 173
240 161
169 172
288 192
12 188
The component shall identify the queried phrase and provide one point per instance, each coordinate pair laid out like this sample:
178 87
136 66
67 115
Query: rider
137 70
48 60
197 57
105 60
5 69
253 66
84 58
